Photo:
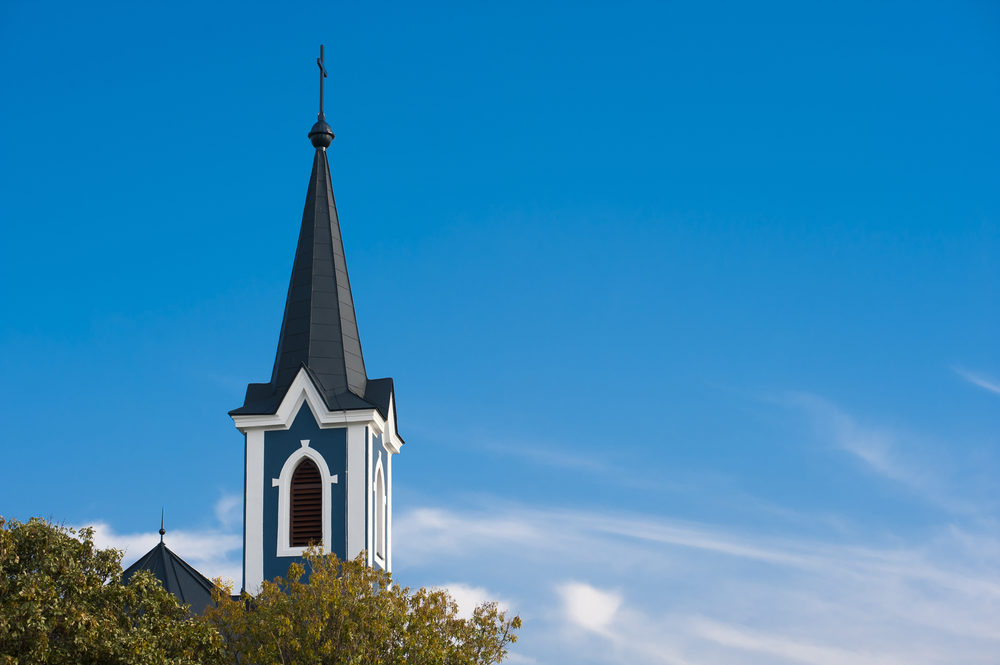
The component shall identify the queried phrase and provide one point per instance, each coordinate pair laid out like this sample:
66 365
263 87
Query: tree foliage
346 613
62 602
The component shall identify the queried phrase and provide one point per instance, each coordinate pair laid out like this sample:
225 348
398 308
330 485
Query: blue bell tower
320 435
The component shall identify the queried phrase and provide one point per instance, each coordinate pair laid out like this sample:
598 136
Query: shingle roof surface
319 330
176 576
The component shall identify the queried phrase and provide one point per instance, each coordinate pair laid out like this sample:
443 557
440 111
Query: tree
62 601
346 613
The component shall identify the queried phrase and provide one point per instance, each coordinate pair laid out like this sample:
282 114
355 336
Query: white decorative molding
391 441
388 514
379 511
284 481
302 391
253 517
368 501
357 437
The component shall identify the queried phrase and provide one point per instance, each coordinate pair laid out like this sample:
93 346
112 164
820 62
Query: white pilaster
253 518
388 513
368 499
355 512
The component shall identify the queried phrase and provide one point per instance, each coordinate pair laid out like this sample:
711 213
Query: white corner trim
368 495
388 514
354 481
302 391
253 515
283 483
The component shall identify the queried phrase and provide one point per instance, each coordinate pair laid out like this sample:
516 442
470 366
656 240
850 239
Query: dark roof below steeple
176 575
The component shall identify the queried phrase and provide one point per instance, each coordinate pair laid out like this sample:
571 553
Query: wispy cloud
229 511
469 597
427 532
925 467
980 380
551 453
879 448
788 649
214 552
589 607
651 589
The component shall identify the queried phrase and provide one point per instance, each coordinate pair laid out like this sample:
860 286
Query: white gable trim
392 442
303 390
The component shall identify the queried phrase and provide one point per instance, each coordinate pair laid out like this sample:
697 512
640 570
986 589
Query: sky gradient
692 308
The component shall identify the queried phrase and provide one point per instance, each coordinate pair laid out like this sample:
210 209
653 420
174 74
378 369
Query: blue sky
692 308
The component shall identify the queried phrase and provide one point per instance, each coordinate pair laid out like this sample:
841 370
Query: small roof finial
321 134
162 530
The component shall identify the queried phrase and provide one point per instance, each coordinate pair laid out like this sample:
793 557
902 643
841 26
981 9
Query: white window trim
380 557
284 482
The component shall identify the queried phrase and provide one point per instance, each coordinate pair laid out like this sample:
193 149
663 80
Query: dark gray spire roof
176 575
319 331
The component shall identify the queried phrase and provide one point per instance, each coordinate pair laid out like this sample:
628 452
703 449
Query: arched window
304 509
379 514
305 519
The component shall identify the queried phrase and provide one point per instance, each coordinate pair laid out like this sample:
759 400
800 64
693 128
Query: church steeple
319 330
320 435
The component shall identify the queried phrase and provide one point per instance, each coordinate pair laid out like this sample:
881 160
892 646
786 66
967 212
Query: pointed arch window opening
380 506
300 499
305 520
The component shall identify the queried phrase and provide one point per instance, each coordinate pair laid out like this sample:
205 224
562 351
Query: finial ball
321 134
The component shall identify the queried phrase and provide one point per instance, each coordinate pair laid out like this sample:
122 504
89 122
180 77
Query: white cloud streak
649 589
229 510
878 448
469 597
785 649
927 469
215 552
979 380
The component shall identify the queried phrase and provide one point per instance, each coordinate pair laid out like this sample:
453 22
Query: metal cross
322 75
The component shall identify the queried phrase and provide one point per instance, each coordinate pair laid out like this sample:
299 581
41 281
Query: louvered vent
306 523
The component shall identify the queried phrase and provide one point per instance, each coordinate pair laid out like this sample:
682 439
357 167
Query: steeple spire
163 531
319 330
320 432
